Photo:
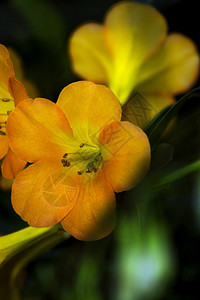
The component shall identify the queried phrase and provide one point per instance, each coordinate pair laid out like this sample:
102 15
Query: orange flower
11 93
132 52
81 154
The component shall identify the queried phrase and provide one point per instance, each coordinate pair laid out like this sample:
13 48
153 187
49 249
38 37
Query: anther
5 100
79 173
65 155
2 133
8 112
66 164
81 145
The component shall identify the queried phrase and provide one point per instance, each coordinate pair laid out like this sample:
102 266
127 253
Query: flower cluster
68 159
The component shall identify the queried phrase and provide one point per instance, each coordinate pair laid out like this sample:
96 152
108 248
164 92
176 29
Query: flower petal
19 74
135 33
12 165
7 71
44 193
3 145
18 90
93 61
142 108
126 154
173 70
38 129
88 107
93 215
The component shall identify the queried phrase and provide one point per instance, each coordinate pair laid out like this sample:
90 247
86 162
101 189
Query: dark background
39 32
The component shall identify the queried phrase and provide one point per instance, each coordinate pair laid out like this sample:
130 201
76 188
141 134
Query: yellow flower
81 154
11 93
132 52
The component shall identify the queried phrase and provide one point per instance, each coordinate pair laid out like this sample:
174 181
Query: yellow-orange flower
132 52
81 153
11 93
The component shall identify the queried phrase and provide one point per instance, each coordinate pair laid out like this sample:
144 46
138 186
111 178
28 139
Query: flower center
87 159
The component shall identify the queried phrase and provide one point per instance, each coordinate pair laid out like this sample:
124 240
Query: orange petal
126 154
135 32
38 129
44 193
173 70
19 74
142 108
7 71
88 107
17 90
90 58
5 184
93 215
12 165
3 145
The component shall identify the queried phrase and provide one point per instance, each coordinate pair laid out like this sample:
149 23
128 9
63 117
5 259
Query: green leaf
162 155
157 126
178 174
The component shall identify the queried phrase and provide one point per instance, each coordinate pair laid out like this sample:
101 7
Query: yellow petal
126 154
90 58
134 33
173 70
38 129
93 215
142 108
44 193
12 165
88 108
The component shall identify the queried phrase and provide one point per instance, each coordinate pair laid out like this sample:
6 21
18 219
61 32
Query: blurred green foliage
154 251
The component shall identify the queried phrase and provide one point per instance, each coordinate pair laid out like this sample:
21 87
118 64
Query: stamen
90 159
2 133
